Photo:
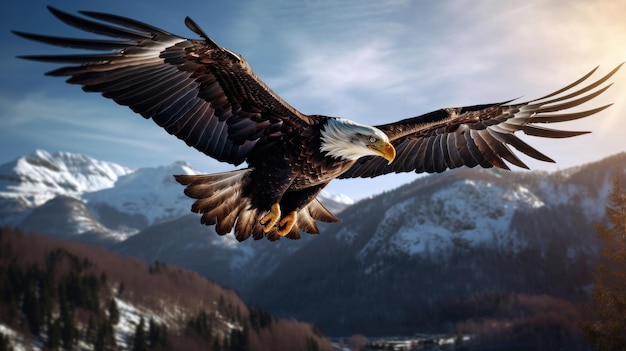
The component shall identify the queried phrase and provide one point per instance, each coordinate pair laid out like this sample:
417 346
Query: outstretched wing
198 91
479 135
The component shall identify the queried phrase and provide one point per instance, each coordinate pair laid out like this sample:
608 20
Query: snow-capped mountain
399 259
41 175
477 207
30 181
142 198
443 218
110 202
65 217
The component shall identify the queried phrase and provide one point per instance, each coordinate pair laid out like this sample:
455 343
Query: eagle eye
372 139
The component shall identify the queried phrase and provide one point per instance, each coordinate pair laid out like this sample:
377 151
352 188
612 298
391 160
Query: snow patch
340 198
149 192
129 319
466 213
17 341
41 176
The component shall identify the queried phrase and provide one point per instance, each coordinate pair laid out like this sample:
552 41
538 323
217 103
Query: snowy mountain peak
121 198
462 209
94 173
469 211
151 193
40 176
338 198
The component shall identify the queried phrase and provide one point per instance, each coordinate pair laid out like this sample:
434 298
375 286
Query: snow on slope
149 192
39 177
64 217
467 212
124 200
154 194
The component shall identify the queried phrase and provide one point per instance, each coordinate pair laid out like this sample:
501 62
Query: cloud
338 81
87 112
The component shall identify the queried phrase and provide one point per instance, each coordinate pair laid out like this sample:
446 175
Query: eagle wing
479 135
198 91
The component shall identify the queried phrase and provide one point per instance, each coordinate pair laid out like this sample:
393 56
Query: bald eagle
207 96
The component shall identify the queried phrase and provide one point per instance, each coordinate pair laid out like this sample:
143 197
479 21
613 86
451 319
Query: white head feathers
348 140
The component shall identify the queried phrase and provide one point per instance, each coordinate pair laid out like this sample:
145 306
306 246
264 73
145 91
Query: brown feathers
220 201
198 91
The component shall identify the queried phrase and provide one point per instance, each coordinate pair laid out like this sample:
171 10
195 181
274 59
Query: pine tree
120 289
114 312
69 333
105 338
201 325
259 319
5 344
100 343
31 306
157 335
54 335
238 340
607 328
140 341
90 332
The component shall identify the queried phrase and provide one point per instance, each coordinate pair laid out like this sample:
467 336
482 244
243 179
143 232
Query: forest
66 296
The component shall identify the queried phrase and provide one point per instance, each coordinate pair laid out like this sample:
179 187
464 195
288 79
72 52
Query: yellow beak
384 149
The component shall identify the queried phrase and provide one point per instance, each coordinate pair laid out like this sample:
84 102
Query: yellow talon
285 225
269 220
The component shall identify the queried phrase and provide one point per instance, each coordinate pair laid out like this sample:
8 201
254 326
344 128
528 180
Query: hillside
67 295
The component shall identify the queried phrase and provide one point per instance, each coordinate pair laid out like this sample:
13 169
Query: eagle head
344 139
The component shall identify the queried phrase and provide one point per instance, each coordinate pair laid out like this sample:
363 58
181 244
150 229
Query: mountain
30 181
398 261
67 218
141 212
141 198
419 258
223 259
112 201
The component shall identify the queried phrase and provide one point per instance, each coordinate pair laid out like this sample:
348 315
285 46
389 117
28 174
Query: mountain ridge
120 201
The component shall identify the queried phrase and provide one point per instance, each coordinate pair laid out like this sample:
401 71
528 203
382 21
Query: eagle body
290 173
209 97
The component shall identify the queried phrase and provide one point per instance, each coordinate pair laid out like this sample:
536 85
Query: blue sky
370 61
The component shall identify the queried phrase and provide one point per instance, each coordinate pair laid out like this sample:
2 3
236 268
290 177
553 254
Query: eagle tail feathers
321 213
220 201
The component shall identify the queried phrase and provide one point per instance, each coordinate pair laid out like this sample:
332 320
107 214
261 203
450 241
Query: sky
374 62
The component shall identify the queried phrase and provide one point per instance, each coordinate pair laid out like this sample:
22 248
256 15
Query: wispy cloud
458 52
40 114
325 79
